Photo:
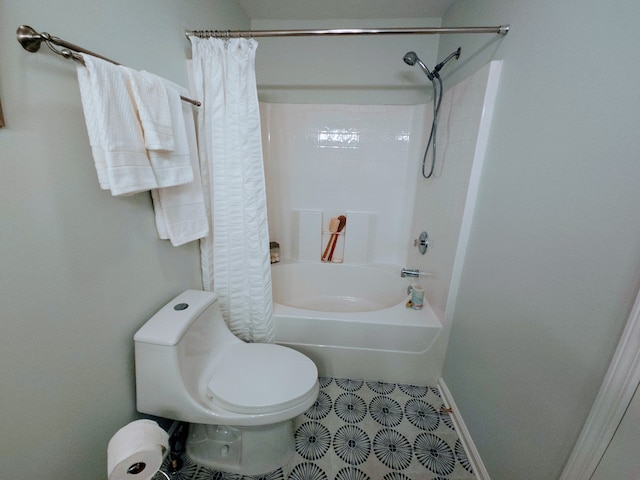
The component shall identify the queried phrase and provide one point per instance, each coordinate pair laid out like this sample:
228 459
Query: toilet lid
257 378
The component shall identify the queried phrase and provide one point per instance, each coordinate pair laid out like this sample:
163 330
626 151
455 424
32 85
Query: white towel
114 131
173 168
181 215
152 101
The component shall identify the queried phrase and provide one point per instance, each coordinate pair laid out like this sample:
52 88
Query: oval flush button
180 306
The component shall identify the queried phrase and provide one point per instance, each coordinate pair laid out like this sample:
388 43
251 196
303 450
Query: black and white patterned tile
377 431
362 430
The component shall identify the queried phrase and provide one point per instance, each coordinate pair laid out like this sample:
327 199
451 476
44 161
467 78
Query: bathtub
352 321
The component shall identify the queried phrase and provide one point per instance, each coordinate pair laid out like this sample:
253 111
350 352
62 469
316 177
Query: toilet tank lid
171 322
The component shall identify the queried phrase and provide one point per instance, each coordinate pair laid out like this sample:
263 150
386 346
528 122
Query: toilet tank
169 325
172 350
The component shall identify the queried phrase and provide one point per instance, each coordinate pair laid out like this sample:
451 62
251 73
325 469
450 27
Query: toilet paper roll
136 451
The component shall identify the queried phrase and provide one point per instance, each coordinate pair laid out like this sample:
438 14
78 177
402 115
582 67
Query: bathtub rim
403 316
388 274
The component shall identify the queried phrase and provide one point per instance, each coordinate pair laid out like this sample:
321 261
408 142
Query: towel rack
31 41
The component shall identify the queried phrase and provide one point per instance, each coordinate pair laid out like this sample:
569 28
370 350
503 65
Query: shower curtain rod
500 30
31 40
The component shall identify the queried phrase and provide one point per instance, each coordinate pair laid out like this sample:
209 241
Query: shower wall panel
338 159
443 203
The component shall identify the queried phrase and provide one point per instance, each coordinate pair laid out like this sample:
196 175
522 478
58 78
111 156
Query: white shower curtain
235 254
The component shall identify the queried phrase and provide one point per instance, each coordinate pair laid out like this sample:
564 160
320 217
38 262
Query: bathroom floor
360 430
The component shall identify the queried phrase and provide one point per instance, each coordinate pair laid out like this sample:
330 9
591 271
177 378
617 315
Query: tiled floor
367 431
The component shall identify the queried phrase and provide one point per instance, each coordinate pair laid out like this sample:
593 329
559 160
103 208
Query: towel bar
31 41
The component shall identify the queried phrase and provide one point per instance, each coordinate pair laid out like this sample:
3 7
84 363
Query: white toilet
240 398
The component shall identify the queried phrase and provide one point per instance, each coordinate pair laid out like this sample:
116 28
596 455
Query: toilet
239 398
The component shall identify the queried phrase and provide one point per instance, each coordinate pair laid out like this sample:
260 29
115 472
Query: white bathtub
353 322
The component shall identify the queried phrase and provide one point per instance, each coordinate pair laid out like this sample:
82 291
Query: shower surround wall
367 158
322 161
444 204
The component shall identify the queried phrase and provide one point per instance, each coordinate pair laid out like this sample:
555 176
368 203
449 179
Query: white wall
350 70
81 270
553 263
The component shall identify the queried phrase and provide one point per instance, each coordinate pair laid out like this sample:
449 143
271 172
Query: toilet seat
258 378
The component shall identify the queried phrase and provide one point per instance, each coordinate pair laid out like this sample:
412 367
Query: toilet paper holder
140 466
137 450
136 468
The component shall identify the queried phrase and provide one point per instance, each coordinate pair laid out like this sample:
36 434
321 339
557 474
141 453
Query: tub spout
410 272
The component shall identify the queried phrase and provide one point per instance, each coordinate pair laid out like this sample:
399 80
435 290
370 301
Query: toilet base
241 450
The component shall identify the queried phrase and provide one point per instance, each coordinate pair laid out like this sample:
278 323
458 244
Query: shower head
439 66
411 58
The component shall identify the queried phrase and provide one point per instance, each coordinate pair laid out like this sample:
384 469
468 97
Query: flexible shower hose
437 100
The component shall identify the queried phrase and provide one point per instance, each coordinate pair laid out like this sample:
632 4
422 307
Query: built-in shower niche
312 239
360 243
305 239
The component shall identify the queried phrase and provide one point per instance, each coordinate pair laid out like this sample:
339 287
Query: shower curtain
235 254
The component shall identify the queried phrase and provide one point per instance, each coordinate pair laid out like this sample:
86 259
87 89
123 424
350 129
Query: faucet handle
422 242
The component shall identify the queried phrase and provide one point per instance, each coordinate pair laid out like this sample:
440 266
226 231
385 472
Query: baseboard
473 456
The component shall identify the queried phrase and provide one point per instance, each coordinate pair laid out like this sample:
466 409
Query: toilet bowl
240 398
